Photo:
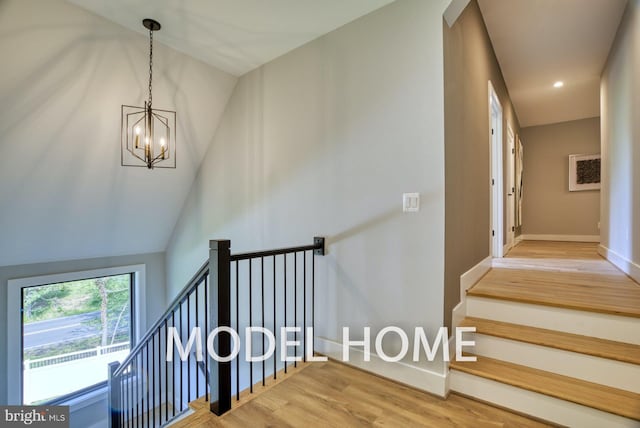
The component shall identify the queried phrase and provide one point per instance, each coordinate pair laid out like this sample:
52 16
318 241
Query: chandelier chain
150 64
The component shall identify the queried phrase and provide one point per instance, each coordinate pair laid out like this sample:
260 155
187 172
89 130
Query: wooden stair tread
607 399
619 351
605 292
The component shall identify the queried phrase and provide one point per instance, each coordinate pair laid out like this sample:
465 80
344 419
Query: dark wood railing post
219 307
114 396
320 241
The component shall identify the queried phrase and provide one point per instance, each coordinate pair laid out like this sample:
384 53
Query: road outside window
71 331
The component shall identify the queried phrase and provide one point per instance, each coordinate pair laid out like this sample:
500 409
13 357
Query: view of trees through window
71 331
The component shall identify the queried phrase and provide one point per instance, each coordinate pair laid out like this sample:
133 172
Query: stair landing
566 275
332 394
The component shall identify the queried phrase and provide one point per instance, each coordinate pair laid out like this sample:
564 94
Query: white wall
620 99
155 306
65 74
323 141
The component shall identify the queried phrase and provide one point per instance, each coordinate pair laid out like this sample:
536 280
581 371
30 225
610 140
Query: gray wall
620 92
469 63
155 306
323 141
548 206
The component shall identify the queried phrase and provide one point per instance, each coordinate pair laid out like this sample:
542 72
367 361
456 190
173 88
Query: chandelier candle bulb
147 150
137 144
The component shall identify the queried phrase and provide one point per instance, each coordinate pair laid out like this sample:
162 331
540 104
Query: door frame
496 229
510 189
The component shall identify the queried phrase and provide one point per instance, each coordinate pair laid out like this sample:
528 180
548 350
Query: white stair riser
532 403
604 326
615 374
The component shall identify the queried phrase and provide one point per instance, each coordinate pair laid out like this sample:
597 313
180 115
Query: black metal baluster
138 390
238 328
125 408
146 371
180 362
173 371
123 399
132 402
206 323
189 357
132 393
313 303
250 325
155 378
304 307
295 304
275 328
166 373
284 357
262 298
196 325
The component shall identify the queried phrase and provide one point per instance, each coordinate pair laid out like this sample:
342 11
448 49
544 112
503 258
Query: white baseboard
416 377
458 314
473 275
518 239
468 280
625 265
565 238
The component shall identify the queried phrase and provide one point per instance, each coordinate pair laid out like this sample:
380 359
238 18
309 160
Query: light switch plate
410 202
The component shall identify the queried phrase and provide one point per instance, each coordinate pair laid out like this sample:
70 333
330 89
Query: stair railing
149 390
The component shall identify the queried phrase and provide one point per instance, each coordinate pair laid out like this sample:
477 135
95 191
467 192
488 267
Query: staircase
271 289
557 337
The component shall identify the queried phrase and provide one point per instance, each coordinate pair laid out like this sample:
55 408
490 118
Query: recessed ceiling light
558 84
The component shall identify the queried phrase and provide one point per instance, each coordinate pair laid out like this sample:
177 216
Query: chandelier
148 135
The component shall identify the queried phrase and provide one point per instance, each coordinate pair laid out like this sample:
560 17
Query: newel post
114 396
220 316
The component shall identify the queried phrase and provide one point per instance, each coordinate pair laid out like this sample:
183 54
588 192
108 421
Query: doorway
495 136
511 189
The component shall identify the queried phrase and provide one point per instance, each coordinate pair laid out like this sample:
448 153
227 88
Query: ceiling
540 42
66 71
234 35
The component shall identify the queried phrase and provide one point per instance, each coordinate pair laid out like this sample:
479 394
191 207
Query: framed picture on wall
584 172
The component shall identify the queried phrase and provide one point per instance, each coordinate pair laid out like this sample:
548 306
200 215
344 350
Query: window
71 331
67 328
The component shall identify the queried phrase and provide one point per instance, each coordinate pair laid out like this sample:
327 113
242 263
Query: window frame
14 324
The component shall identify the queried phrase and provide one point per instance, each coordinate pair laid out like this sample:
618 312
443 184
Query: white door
496 187
510 188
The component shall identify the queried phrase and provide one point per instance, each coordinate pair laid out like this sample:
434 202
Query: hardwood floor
562 274
556 250
332 394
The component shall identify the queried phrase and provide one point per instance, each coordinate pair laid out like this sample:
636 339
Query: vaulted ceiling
65 73
540 42
235 35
